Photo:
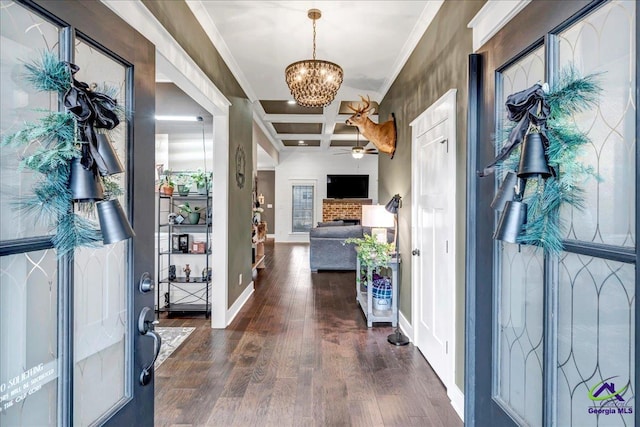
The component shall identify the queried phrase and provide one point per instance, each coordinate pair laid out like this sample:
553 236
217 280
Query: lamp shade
376 216
394 204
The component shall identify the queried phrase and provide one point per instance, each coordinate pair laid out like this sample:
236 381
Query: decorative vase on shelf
183 190
167 190
194 217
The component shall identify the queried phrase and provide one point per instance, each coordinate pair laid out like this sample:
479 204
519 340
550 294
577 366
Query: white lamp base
380 234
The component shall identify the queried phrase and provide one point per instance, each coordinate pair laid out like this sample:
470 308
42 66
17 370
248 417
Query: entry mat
172 337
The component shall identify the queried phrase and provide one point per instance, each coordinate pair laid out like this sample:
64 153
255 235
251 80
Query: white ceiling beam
294 118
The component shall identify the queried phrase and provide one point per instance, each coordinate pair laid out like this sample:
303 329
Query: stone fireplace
345 209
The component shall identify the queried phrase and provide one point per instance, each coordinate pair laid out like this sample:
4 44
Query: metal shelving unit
176 295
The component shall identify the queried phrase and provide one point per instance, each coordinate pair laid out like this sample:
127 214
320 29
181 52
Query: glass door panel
28 339
596 342
101 316
603 43
596 345
24 37
518 356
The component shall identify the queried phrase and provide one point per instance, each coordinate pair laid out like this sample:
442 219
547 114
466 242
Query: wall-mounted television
347 186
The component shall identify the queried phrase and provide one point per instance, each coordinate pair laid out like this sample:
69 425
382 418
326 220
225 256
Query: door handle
415 252
146 324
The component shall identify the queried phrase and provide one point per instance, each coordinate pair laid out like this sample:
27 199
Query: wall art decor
540 160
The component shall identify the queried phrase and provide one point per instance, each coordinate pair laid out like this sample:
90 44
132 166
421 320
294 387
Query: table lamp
379 219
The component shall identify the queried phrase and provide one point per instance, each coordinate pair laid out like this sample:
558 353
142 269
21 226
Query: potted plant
184 182
202 180
167 184
193 213
371 252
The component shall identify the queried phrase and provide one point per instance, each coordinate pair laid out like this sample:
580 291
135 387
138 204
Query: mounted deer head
383 136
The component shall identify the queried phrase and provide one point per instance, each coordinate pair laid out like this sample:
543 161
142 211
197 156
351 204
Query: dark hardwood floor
298 354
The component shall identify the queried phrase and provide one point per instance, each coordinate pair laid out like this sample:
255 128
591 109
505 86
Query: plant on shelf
202 180
167 184
371 252
193 213
184 182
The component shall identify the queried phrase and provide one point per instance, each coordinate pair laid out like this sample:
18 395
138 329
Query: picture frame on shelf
183 243
180 243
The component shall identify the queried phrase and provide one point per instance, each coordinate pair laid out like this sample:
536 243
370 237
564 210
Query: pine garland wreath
571 95
49 144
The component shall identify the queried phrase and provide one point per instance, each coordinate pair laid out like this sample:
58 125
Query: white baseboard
457 400
405 326
240 302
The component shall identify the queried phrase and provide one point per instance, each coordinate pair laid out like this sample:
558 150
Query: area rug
171 340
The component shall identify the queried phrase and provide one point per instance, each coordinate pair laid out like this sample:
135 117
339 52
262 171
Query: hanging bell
533 161
109 155
506 192
84 183
511 221
113 222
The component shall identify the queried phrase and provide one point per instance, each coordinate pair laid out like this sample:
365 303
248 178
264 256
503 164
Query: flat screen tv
347 186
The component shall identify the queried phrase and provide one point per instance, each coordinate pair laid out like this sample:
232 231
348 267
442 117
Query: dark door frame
529 28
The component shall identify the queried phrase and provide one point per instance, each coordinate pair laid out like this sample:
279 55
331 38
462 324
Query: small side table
364 294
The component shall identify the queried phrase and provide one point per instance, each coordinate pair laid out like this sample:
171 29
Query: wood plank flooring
298 354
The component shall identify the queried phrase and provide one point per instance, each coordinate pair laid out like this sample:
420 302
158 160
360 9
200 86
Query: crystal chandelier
313 82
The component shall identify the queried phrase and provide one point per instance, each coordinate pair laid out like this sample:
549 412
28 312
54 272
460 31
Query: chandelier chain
314 39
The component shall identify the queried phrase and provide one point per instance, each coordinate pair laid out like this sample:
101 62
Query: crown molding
494 15
426 17
206 22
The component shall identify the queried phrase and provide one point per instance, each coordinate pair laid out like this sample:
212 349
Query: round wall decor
241 163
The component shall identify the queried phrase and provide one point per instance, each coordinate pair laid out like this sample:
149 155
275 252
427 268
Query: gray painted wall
240 213
267 186
438 63
177 18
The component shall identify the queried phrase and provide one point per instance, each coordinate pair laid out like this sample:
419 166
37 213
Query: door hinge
447 246
446 347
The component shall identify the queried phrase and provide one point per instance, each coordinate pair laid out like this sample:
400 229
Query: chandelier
313 82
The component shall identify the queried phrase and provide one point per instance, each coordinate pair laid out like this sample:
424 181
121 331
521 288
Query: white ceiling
370 40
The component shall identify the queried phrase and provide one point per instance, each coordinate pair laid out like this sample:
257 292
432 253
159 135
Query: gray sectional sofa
326 248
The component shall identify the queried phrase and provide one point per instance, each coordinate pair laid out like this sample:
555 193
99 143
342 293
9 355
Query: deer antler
355 110
367 103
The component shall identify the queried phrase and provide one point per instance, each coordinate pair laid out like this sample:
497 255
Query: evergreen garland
49 146
572 94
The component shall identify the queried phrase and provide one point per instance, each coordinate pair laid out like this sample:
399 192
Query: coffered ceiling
370 40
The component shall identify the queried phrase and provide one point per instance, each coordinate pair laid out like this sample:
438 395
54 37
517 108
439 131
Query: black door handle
415 252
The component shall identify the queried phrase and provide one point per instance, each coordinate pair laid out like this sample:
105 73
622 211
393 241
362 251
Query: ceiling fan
358 152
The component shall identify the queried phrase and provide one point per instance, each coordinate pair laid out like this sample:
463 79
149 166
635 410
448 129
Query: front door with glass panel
562 327
70 353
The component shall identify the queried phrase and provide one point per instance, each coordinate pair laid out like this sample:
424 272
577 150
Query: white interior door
434 209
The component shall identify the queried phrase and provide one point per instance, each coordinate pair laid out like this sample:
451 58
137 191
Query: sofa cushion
331 223
343 232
